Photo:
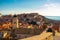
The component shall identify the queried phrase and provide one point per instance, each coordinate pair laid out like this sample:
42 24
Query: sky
43 7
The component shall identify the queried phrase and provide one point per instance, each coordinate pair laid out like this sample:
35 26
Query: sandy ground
42 36
57 33
57 36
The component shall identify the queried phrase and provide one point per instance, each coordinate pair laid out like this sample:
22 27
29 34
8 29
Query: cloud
50 9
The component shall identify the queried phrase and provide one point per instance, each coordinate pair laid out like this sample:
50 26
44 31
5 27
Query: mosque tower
15 22
0 15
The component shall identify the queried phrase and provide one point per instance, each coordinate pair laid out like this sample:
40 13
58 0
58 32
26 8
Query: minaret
0 15
15 22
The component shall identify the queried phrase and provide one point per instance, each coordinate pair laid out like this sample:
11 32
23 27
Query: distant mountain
53 17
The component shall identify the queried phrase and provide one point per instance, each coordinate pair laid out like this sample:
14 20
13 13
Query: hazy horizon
53 17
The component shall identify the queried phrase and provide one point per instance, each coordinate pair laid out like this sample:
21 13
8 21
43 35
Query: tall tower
15 22
0 15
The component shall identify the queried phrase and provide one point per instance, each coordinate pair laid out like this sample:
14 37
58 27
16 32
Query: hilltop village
24 25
